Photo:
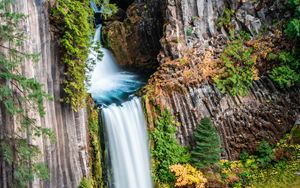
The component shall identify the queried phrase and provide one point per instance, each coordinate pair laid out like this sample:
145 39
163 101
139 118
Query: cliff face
135 39
193 39
67 157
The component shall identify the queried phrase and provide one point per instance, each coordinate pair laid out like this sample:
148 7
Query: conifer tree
208 146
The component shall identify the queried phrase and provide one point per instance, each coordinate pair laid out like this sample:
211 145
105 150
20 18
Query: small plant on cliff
208 146
19 94
225 19
165 149
238 70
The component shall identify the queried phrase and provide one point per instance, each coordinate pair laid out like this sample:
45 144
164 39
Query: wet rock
135 41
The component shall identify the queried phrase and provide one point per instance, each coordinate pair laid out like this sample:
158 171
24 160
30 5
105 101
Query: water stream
122 114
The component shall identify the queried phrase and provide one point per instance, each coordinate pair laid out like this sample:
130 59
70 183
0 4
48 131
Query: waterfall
109 83
127 139
124 121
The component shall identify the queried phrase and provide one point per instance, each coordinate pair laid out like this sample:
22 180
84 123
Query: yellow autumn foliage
188 175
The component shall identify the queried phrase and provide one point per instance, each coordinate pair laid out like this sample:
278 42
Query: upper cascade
109 83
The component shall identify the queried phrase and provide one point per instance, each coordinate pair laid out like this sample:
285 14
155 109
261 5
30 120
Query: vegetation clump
238 72
165 149
287 73
186 175
74 24
96 171
225 19
269 167
208 145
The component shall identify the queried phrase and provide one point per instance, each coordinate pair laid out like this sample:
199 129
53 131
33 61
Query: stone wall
182 84
66 158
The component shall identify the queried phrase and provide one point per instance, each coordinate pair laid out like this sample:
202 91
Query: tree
18 95
208 145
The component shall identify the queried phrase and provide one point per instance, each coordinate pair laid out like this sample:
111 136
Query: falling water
124 121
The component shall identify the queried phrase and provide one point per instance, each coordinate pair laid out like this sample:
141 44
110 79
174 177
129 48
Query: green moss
86 183
96 174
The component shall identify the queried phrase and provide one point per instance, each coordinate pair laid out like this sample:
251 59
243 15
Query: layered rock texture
195 33
67 157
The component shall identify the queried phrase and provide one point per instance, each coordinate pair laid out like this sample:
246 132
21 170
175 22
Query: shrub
186 175
189 31
207 150
284 76
166 151
287 73
265 154
225 19
238 69
293 27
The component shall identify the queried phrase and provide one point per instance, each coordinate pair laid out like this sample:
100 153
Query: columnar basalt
67 157
192 42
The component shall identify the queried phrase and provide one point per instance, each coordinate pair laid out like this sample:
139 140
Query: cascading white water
124 121
128 144
109 83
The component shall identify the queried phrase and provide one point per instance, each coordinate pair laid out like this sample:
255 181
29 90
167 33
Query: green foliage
263 169
282 174
165 149
225 19
73 20
239 69
18 95
189 31
208 145
284 76
86 183
287 73
293 27
265 154
96 173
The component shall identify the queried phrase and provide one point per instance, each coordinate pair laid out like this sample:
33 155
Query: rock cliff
192 40
66 158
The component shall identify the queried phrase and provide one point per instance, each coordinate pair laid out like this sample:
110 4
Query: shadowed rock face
181 84
135 41
123 4
67 157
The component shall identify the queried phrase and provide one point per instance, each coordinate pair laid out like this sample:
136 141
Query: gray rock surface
66 158
266 114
